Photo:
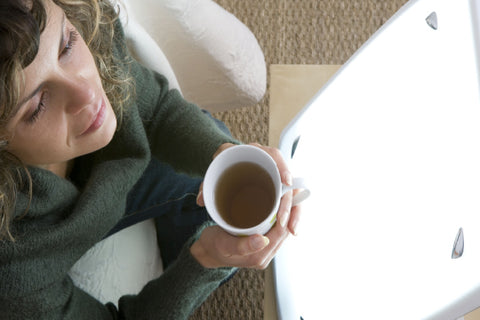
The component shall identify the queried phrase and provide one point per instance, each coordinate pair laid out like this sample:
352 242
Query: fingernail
289 179
258 243
294 228
199 197
284 219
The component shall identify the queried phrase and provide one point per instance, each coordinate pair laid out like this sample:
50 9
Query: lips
98 120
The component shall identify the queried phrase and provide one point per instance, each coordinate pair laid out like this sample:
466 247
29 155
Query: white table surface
393 158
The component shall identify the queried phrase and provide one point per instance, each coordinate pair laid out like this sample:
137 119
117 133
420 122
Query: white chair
208 54
216 70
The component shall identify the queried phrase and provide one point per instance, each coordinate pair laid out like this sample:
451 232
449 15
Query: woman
89 139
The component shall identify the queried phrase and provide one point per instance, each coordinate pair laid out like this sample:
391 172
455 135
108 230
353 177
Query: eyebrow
34 92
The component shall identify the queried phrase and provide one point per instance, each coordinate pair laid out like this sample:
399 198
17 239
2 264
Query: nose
79 93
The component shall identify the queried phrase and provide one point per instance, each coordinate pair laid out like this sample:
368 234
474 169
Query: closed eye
70 43
66 51
38 110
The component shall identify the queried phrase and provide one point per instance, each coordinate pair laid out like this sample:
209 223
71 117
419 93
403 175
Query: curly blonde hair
21 24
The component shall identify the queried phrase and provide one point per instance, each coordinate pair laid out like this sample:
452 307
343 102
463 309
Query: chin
110 127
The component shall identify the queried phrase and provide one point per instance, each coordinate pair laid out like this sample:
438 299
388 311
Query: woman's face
63 111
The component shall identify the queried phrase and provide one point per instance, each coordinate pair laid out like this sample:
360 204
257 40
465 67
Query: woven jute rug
289 32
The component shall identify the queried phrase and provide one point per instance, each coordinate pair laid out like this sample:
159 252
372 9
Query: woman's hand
217 248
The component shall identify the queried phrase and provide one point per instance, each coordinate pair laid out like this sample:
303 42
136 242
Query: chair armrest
217 60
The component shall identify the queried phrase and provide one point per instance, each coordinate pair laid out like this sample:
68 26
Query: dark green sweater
66 218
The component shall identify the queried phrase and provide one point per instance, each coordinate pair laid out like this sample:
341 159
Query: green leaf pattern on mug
273 219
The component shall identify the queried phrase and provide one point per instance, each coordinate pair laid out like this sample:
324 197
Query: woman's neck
61 169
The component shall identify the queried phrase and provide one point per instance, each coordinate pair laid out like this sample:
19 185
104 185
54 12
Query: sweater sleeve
174 295
191 282
178 131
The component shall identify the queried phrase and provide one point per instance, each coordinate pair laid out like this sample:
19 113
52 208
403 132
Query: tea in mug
245 195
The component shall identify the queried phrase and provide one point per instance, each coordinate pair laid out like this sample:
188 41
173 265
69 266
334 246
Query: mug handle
297 183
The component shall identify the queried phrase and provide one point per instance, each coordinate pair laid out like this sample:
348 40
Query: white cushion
216 59
120 264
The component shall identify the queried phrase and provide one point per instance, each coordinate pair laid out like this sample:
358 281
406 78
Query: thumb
243 246
257 243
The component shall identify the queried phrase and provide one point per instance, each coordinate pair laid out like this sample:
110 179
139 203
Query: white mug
248 154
